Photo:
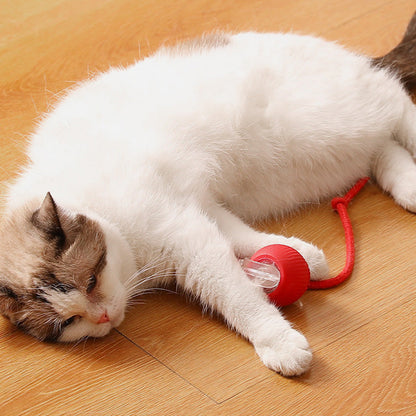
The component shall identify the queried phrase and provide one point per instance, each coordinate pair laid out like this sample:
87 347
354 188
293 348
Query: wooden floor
166 358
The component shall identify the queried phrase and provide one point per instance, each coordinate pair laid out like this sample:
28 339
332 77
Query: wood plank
375 32
103 376
199 348
369 376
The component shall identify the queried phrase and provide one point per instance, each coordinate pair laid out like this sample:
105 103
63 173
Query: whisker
138 289
147 267
134 283
157 289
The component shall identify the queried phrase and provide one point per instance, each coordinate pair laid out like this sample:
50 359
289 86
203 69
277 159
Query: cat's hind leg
395 171
246 241
405 131
394 167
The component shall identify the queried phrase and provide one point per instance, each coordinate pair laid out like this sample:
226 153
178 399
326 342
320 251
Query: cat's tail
402 59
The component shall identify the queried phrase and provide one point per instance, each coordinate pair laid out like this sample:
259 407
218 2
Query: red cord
340 205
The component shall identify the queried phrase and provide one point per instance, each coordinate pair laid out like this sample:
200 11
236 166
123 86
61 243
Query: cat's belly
285 189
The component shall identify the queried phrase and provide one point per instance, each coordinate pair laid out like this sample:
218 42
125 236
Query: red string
340 205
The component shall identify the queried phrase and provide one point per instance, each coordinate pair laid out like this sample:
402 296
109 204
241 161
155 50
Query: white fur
176 150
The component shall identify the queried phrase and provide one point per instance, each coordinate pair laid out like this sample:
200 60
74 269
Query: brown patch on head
86 256
39 319
9 300
29 311
204 42
46 253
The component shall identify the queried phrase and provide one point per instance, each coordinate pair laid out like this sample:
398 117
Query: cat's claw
288 355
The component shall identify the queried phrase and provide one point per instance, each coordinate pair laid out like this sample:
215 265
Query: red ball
294 272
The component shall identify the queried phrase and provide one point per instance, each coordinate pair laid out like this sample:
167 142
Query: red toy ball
284 274
293 269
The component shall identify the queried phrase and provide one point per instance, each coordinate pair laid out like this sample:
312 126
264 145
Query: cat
150 174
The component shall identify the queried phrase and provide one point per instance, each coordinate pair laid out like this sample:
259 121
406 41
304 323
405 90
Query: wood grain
108 376
167 357
370 376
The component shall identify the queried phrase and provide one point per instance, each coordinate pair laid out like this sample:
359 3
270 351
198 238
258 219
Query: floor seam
166 366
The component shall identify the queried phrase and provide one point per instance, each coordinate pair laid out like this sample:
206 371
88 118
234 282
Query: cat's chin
85 330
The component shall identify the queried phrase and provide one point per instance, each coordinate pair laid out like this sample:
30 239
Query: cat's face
58 280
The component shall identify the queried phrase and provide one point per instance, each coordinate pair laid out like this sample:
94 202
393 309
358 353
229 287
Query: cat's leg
246 241
405 133
395 171
207 267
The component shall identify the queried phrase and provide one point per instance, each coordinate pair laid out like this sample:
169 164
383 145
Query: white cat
152 170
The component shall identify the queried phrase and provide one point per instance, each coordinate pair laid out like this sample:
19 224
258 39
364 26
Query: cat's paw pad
287 353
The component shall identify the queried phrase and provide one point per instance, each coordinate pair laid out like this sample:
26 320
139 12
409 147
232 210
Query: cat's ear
46 218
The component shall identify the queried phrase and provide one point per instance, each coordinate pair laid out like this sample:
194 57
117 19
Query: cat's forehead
27 254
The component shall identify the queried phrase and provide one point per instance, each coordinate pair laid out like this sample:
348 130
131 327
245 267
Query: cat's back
200 100
193 85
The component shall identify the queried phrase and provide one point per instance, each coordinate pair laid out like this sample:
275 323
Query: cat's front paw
287 353
315 258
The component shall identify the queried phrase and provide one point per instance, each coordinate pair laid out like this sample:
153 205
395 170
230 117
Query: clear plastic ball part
264 274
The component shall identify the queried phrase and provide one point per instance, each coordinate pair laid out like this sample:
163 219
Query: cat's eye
92 282
69 321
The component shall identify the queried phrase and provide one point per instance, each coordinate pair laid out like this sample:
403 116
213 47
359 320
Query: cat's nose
103 318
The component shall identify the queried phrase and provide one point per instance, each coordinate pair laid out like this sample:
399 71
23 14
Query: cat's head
60 277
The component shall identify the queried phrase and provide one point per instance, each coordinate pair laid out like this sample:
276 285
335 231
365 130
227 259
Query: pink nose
103 318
